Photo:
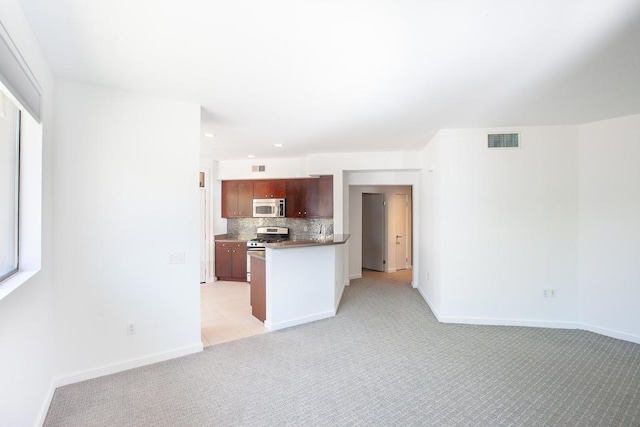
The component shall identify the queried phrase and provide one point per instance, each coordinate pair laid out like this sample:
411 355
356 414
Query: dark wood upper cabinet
305 197
269 189
325 196
310 197
237 199
296 198
229 199
245 198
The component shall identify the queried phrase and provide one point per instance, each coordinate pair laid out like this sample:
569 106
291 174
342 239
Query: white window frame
30 201
16 195
21 85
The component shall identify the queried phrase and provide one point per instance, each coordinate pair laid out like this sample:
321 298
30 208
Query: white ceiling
348 75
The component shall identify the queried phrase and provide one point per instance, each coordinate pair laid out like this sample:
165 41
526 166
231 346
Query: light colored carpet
383 360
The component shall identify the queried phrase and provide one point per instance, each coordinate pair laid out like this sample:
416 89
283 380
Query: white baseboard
496 321
126 365
488 321
611 333
431 306
355 276
335 309
299 321
530 323
45 405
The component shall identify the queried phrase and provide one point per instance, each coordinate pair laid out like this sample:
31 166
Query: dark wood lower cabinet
231 261
258 289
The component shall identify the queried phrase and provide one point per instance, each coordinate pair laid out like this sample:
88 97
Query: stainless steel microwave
268 208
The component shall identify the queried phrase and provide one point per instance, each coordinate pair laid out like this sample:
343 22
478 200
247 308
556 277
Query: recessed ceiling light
278 145
209 135
251 156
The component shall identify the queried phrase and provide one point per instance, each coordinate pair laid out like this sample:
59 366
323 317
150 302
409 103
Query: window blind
16 76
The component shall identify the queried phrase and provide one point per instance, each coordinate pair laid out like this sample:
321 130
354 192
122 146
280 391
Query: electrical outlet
131 328
176 258
545 293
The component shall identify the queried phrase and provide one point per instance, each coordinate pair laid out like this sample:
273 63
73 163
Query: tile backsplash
299 229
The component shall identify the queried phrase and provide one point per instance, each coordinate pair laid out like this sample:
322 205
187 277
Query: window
21 133
9 185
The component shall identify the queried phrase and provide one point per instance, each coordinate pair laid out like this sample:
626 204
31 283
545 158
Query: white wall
300 284
294 167
340 255
507 224
562 212
319 164
429 241
126 187
609 227
26 330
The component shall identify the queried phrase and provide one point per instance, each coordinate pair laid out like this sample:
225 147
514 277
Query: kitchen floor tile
226 313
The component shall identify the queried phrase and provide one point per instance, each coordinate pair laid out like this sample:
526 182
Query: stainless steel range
264 235
268 235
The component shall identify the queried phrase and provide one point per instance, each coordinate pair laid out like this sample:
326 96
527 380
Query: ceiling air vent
504 140
258 168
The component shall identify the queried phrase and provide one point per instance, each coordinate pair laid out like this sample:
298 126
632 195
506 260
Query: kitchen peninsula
298 281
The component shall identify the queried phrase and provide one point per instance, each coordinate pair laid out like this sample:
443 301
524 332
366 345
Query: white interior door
373 232
401 206
203 236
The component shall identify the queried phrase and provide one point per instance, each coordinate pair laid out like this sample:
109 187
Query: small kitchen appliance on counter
264 235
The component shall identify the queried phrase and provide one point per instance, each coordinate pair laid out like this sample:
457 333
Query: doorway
401 211
203 236
373 231
397 228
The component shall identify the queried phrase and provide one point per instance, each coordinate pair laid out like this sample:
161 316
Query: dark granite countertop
337 239
229 238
